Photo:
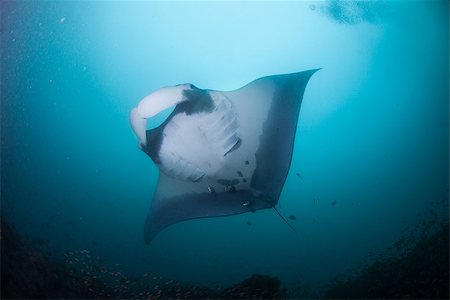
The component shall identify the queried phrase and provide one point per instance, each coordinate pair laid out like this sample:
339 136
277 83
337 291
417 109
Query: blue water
373 130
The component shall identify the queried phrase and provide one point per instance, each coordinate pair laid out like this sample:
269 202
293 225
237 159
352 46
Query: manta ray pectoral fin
283 95
176 201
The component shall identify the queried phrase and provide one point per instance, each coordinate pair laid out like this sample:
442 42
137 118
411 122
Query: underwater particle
62 20
292 217
312 7
333 203
249 223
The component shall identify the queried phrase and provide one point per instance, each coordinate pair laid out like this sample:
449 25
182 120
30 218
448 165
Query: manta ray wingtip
312 71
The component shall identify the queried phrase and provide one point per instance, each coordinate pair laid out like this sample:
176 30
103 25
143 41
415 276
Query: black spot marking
227 182
240 174
246 162
244 180
293 218
223 181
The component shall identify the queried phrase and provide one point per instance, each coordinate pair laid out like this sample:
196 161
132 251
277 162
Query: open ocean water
369 177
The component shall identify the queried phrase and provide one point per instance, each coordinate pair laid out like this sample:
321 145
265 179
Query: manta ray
219 153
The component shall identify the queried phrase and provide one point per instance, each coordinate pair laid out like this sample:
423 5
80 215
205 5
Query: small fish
249 223
299 176
212 190
230 189
293 218
333 203
250 203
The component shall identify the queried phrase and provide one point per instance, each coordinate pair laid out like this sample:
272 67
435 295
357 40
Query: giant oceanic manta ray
219 153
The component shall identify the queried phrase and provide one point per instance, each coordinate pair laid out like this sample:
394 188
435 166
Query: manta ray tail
284 219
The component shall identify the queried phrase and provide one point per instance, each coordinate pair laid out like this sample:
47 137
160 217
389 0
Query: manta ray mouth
159 119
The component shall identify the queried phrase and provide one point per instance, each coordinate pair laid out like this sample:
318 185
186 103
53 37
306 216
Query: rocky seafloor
422 272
